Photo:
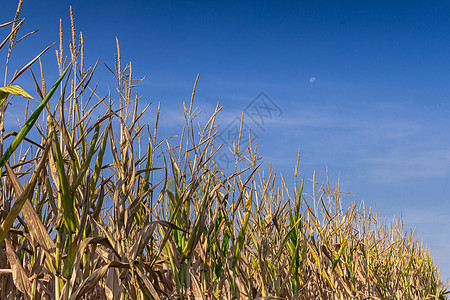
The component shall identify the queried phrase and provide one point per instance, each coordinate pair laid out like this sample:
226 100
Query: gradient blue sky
377 112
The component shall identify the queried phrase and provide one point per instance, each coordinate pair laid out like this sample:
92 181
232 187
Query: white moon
312 79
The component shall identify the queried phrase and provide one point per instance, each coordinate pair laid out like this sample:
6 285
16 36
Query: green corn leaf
195 234
98 165
338 257
297 208
223 249
30 122
149 164
72 251
241 236
87 162
291 246
217 270
410 262
67 196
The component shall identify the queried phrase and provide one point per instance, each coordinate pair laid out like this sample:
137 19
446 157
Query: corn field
94 205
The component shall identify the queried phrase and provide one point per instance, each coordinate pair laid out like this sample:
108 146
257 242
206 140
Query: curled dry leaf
20 277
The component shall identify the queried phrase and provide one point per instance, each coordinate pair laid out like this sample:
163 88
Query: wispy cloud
403 164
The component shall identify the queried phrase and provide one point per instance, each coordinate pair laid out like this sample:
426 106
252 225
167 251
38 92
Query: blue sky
377 111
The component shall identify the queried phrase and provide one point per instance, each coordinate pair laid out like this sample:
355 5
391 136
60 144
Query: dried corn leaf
20 277
34 224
